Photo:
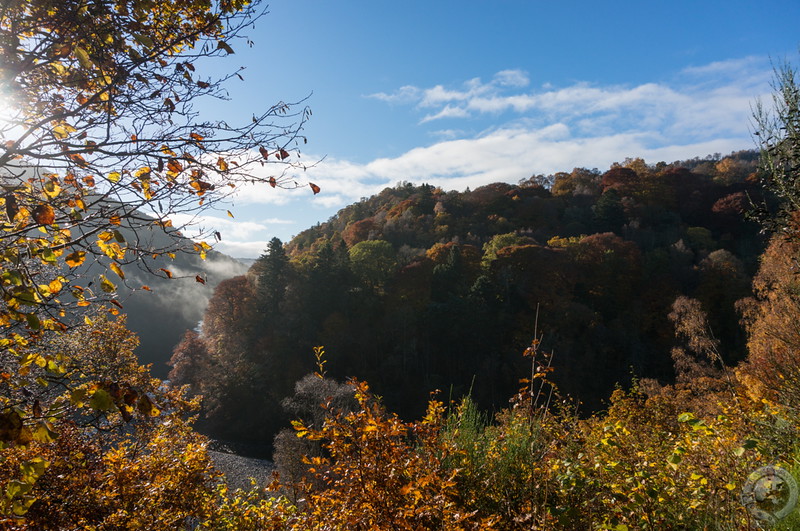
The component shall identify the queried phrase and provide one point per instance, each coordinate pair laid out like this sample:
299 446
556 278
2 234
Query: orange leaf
75 259
199 279
283 154
166 272
146 288
272 182
174 166
264 152
44 215
62 50
314 188
222 164
79 160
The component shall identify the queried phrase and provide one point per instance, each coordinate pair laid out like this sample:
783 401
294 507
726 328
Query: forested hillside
417 289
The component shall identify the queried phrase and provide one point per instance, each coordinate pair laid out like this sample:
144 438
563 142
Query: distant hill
161 313
161 316
418 288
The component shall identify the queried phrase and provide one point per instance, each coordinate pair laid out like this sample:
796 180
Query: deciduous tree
778 132
101 149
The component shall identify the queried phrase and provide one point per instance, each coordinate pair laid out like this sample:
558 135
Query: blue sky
459 94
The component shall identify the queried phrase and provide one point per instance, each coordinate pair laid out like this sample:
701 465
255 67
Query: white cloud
446 134
232 231
507 154
447 112
406 94
728 67
512 78
720 89
247 249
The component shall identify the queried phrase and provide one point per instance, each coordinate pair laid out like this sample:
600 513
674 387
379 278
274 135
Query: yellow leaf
114 176
55 286
83 57
116 269
106 285
60 132
143 171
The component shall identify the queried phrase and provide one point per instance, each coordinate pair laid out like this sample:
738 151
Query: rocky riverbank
237 470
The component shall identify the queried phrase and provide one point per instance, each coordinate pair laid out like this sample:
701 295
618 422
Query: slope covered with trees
417 289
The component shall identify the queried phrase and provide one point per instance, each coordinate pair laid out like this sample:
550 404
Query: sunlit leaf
75 259
116 269
83 58
106 285
55 286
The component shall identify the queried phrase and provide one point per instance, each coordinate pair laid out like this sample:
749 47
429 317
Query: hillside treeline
417 289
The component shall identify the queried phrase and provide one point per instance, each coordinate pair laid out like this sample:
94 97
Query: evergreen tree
273 271
609 215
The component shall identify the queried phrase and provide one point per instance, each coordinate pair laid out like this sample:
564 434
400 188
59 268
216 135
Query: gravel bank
238 470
